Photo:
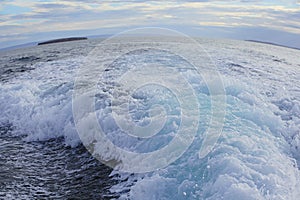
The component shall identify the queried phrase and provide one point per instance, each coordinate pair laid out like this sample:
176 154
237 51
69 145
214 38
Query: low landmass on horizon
271 43
62 40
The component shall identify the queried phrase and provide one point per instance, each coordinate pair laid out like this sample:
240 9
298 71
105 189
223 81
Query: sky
24 21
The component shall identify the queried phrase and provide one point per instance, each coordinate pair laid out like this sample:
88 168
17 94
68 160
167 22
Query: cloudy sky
25 21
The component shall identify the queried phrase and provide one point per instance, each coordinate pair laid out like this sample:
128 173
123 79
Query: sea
45 155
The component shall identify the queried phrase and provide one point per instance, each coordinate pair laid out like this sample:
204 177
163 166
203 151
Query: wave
38 103
257 156
249 162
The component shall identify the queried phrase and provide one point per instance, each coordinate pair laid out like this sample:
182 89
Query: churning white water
256 157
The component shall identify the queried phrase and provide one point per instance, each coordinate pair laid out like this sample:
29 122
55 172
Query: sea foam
256 157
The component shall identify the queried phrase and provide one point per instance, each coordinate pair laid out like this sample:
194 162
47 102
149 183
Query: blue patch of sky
14 10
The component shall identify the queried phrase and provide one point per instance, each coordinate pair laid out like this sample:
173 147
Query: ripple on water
40 170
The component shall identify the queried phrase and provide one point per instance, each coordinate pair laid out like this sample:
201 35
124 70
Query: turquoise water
256 157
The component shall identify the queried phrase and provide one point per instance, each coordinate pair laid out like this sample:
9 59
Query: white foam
38 103
256 157
248 163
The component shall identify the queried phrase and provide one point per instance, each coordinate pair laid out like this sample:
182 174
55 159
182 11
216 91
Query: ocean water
256 157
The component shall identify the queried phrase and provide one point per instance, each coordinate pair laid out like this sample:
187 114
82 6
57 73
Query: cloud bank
28 20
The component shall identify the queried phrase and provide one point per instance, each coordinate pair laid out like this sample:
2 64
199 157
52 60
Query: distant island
271 43
62 40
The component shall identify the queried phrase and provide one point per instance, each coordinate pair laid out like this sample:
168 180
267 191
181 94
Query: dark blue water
47 169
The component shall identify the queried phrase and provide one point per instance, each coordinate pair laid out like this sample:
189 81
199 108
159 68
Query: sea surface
256 157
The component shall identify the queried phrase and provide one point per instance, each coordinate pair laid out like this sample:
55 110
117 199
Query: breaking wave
257 156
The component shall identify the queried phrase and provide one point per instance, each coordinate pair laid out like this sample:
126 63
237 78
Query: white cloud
65 15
